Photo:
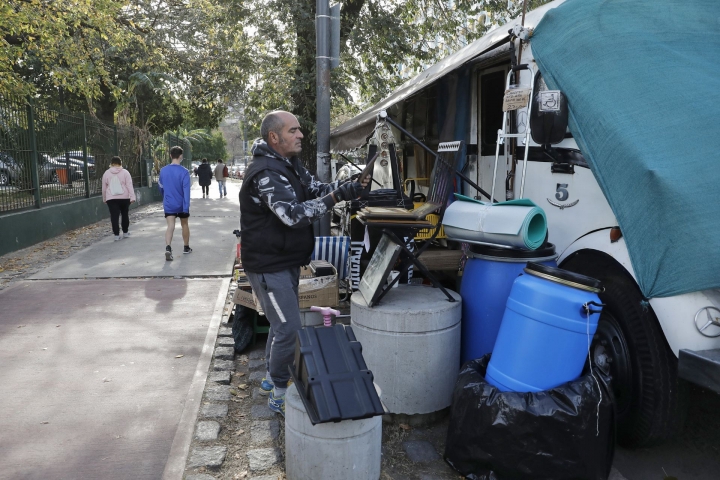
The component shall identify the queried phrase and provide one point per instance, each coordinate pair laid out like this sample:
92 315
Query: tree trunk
105 106
304 92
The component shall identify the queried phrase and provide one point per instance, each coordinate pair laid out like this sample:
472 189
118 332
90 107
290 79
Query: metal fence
48 156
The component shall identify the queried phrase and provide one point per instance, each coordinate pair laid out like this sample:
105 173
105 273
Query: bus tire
629 349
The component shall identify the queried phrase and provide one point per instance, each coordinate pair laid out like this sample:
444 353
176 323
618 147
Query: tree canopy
163 65
154 64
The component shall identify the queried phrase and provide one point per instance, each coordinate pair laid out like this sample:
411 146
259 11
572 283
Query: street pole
322 63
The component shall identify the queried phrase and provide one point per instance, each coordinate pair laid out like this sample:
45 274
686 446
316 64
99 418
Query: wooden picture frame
381 263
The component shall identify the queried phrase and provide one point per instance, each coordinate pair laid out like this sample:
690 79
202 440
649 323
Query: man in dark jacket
205 174
279 201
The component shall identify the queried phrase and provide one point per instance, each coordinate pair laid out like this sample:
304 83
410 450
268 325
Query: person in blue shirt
174 183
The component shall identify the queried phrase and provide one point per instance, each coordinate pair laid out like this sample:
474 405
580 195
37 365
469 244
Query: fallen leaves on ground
179 356
405 426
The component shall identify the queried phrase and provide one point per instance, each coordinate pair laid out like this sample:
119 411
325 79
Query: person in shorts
174 183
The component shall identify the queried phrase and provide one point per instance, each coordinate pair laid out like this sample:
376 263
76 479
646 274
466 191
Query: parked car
76 166
234 171
78 155
13 172
10 170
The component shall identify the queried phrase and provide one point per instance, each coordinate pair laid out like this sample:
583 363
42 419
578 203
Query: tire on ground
242 327
643 368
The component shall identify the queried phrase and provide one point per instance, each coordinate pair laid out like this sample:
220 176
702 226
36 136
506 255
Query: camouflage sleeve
319 189
274 190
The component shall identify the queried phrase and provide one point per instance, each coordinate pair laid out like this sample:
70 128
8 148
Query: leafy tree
211 148
140 62
383 44
58 43
163 65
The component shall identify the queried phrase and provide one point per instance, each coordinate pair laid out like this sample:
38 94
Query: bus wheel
629 350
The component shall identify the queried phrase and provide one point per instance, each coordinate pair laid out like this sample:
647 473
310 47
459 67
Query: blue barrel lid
564 277
546 250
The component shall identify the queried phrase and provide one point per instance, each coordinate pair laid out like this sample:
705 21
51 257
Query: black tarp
564 433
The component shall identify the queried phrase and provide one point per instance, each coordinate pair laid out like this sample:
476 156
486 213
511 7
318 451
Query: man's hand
365 181
347 191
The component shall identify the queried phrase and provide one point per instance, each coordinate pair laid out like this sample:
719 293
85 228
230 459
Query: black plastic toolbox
332 378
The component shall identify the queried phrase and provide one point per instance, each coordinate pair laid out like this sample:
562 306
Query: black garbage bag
564 433
242 327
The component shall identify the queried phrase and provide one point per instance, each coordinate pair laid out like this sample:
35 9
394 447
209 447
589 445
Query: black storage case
331 376
321 268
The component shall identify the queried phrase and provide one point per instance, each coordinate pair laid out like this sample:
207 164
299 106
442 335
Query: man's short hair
271 123
116 161
175 152
204 160
219 160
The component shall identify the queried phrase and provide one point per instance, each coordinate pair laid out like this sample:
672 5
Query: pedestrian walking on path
205 174
174 183
118 193
279 201
221 174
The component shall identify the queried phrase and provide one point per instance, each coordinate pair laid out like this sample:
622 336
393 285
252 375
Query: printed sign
550 101
515 98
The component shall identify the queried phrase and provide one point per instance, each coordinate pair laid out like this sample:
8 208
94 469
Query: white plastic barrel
347 450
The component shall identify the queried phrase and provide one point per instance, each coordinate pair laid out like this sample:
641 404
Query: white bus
639 341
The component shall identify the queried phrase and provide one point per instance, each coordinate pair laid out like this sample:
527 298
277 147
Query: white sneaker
118 237
126 234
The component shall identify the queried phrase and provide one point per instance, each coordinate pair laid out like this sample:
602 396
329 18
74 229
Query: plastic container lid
547 250
564 277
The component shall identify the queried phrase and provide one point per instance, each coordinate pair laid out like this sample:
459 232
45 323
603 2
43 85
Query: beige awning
352 133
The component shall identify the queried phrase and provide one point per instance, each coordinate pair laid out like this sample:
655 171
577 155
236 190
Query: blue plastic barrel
487 279
550 318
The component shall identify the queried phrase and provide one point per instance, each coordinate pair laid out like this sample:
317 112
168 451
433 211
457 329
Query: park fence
48 156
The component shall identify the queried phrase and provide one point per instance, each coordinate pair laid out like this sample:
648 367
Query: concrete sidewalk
212 221
102 377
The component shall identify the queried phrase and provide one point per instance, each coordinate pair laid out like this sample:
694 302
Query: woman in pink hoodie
118 193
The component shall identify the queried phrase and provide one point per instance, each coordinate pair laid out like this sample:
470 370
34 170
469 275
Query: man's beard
291 152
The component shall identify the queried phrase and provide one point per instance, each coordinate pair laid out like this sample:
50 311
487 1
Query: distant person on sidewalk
118 193
205 174
221 174
279 201
174 183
